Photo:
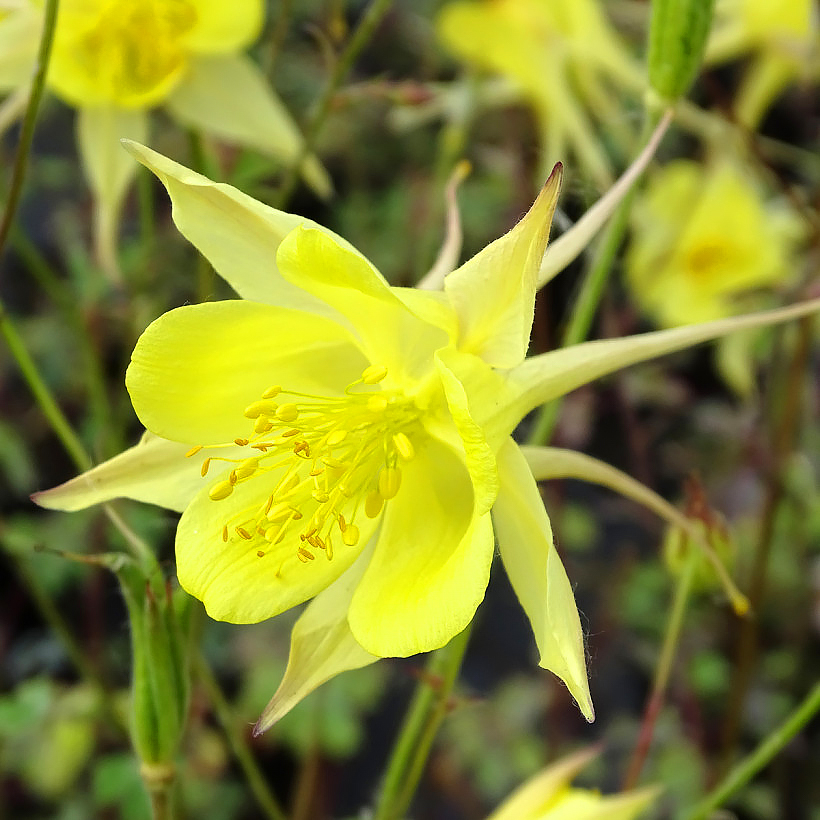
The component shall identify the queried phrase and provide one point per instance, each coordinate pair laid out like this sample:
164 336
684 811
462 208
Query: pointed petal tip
260 727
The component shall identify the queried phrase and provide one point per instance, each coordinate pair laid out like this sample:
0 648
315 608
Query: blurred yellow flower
329 436
703 238
548 796
782 37
114 60
563 56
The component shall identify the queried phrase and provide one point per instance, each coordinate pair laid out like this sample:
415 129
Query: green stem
364 31
253 775
663 670
427 710
741 774
782 445
41 392
592 289
29 118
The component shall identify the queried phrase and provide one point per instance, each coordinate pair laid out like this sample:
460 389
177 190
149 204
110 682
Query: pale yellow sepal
493 294
155 471
535 571
542 378
228 97
548 796
321 646
237 234
19 37
109 171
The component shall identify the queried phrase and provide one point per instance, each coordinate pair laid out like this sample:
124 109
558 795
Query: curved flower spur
329 436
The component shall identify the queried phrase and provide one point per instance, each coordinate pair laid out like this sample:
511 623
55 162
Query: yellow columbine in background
114 60
549 796
329 436
563 56
703 238
783 39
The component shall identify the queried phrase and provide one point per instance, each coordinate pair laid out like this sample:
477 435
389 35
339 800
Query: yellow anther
377 403
220 490
319 542
389 482
287 412
233 477
260 553
336 437
243 533
262 425
320 496
316 471
342 523
373 504
374 374
260 408
302 556
224 532
272 392
291 432
247 468
302 448
204 469
279 512
193 451
403 445
242 442
306 554
351 535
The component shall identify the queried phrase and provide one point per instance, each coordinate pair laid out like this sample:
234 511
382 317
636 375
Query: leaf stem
427 710
29 118
741 774
253 775
663 670
364 31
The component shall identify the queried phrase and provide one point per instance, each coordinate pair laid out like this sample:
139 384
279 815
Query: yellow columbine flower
548 796
703 239
329 435
114 60
563 56
784 38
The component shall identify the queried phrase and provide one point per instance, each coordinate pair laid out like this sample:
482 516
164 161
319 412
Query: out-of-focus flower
563 56
703 239
356 437
549 796
783 39
114 60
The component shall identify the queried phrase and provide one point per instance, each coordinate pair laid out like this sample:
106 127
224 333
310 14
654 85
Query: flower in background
115 60
549 796
563 56
705 243
704 239
331 437
782 37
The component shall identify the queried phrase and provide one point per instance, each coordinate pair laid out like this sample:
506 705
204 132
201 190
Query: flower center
328 460
130 52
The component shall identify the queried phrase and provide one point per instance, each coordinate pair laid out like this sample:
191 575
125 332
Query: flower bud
677 38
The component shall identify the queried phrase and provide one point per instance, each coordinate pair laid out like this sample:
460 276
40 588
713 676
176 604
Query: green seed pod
677 38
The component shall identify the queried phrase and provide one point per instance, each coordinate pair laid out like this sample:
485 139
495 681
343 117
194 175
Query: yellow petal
537 575
109 170
238 235
231 578
534 795
321 646
19 37
582 804
391 334
493 294
195 369
207 99
222 27
155 471
478 454
432 561
542 378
